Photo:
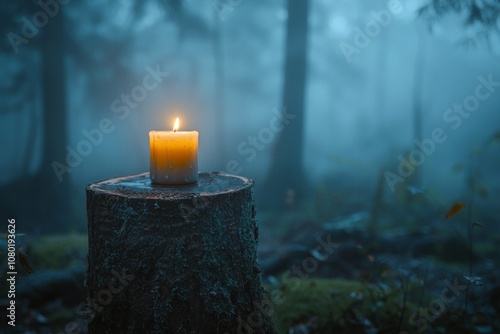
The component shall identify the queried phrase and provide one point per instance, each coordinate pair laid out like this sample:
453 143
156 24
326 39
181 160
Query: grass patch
329 304
57 251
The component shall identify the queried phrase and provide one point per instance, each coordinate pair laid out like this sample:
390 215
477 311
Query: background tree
480 16
287 175
48 43
417 94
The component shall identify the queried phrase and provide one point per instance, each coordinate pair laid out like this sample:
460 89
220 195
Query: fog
221 72
370 129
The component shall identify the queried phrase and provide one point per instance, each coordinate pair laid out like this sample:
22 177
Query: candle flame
176 124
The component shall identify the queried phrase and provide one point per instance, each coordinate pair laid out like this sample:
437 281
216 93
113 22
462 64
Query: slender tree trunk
219 92
287 177
417 87
381 85
54 110
417 94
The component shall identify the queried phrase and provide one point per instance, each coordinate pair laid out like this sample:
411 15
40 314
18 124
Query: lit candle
173 156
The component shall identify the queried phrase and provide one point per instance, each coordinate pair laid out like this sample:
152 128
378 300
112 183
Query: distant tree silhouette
417 95
219 86
482 14
48 41
287 177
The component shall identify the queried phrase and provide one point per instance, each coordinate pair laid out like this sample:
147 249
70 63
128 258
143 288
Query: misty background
232 66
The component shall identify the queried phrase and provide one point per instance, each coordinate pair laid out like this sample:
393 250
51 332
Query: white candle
173 156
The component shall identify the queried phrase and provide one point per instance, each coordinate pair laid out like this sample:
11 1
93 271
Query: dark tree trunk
380 89
174 259
219 86
53 81
287 171
49 198
418 78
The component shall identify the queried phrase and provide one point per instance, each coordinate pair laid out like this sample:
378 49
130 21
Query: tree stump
174 259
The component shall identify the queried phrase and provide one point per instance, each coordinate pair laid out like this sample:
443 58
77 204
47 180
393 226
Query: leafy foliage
482 15
484 12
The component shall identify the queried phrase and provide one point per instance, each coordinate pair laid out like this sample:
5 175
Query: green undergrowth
47 252
322 304
57 251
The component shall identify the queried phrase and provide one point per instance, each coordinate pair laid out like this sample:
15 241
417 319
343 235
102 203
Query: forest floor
343 275
341 278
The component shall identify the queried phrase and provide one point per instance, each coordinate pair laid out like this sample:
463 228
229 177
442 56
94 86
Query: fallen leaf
24 261
455 208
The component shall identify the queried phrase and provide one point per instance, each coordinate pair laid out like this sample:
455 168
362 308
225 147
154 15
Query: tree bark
174 259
